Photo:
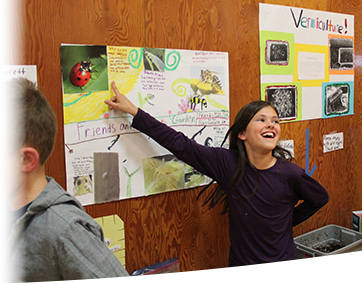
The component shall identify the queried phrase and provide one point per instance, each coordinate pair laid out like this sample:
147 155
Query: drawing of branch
129 175
198 133
114 141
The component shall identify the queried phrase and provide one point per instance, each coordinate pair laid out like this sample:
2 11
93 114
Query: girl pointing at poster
257 184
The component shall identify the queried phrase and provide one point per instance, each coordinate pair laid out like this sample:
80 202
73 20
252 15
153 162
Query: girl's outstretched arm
121 102
214 162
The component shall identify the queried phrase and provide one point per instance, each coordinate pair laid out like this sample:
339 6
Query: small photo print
341 53
154 59
84 68
337 99
167 173
285 100
277 52
82 185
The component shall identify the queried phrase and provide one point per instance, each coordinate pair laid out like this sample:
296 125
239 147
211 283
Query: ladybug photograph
81 73
84 68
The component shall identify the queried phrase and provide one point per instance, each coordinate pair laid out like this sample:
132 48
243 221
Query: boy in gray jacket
52 237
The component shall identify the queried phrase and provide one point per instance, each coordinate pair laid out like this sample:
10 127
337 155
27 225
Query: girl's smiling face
262 133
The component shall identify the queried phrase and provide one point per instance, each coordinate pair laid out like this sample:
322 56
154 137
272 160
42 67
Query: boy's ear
29 159
242 135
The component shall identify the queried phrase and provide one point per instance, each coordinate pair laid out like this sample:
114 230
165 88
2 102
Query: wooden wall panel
175 224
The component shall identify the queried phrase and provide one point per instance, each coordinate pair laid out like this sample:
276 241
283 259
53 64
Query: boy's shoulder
56 211
54 195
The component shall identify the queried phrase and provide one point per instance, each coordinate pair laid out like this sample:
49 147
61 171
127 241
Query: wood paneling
175 224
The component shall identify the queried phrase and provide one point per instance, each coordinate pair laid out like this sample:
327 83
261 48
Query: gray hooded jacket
57 240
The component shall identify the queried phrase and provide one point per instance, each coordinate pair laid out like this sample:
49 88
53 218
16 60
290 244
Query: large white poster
106 159
306 62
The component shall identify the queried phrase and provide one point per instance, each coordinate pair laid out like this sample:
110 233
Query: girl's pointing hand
121 102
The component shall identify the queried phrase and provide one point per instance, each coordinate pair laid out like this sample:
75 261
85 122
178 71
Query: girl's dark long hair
242 119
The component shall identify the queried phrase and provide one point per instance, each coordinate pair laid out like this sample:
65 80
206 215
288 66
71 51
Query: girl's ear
242 135
29 159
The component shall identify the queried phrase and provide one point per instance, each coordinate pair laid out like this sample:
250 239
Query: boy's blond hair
26 119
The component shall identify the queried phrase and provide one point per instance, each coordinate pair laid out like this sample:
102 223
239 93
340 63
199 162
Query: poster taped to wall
106 159
306 62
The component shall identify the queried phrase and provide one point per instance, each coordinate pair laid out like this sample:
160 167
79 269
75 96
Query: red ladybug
81 73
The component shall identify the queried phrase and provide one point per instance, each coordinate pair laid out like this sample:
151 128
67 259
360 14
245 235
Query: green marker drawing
129 188
145 100
75 101
135 58
176 56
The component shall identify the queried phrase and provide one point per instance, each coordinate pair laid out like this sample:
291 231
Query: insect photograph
208 83
205 82
163 173
167 173
84 68
153 59
81 73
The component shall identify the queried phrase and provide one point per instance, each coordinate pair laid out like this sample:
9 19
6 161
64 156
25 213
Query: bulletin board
306 62
107 159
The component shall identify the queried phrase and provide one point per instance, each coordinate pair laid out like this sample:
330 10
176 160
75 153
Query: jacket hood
53 194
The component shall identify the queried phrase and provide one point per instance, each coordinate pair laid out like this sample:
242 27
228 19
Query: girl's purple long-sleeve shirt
260 221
